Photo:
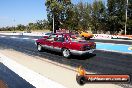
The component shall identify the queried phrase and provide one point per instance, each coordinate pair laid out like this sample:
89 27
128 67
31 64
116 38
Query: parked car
86 35
66 43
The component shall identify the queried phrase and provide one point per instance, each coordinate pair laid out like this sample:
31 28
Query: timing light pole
126 17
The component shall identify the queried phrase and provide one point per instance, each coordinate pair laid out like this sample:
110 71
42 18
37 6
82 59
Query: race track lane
11 79
103 62
95 40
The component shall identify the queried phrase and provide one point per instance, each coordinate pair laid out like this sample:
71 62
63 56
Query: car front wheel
66 53
39 47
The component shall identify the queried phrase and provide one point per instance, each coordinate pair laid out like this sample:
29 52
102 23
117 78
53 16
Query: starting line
30 76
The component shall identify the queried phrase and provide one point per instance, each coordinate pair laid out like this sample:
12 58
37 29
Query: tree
42 24
116 15
31 26
98 16
129 21
80 16
57 9
20 27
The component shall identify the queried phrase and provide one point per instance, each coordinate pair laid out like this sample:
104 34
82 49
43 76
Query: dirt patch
2 84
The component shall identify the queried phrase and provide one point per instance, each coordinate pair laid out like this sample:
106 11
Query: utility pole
53 24
126 17
14 24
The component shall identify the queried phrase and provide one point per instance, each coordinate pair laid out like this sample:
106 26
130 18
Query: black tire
39 47
85 38
66 53
88 38
81 80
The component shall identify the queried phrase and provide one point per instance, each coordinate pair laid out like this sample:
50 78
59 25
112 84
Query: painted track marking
30 76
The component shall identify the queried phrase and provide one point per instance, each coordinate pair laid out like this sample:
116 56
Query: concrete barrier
102 36
37 80
27 34
122 36
96 36
106 36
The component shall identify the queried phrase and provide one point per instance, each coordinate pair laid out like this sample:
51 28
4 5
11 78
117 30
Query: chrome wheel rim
66 53
39 47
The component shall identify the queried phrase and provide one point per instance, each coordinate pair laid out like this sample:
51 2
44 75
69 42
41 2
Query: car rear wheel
82 36
66 53
85 38
40 48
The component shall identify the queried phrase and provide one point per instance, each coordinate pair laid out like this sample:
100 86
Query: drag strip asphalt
95 40
106 46
100 62
110 61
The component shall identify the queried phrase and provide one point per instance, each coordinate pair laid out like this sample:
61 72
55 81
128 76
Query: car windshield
47 33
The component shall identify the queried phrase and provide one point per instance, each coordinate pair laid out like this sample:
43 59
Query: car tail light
82 48
87 48
94 45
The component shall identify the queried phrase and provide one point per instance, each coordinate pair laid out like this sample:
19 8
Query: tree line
39 25
98 17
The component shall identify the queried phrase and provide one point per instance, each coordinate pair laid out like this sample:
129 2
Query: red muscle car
66 43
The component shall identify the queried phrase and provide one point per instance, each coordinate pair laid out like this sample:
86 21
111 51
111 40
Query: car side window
66 39
51 37
60 39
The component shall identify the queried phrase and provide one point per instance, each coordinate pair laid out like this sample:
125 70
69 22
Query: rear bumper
76 52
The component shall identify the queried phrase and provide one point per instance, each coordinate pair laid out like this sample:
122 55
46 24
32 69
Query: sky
14 12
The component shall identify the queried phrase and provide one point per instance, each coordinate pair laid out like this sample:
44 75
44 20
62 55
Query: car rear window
76 38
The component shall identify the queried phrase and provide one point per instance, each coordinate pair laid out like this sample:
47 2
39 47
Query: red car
66 43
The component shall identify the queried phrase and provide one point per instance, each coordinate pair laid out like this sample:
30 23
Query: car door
57 44
49 41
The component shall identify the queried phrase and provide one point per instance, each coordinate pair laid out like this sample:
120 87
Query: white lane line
2 36
30 76
13 37
25 38
34 39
